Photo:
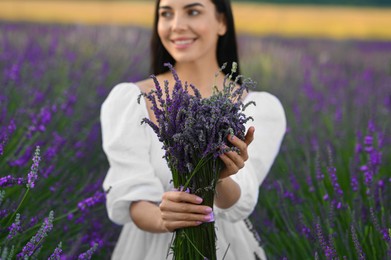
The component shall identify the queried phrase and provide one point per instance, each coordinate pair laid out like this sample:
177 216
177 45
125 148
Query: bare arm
177 210
146 215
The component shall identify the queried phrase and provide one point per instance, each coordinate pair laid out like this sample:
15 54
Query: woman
197 36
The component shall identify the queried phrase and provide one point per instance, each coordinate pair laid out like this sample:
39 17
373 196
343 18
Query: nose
179 23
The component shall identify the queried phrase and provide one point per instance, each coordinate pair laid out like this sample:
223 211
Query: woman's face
189 29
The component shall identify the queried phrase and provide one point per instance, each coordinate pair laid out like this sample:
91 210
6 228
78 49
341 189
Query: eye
193 12
165 14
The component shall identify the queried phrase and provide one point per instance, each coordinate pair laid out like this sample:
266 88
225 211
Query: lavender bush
327 196
53 80
332 178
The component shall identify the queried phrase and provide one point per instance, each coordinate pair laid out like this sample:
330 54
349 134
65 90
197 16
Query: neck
201 75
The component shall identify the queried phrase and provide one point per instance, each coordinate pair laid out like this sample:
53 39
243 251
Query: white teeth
183 42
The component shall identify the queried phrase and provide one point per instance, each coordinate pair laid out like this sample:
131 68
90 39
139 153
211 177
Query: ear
222 24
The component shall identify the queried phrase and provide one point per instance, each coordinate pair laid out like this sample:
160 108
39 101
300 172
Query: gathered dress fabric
138 171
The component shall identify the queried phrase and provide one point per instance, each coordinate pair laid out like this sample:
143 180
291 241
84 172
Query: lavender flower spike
2 195
97 198
87 255
33 174
9 181
57 253
357 245
33 244
15 227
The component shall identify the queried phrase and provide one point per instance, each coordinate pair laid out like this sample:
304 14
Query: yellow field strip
307 21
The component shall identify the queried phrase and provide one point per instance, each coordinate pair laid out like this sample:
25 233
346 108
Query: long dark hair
226 45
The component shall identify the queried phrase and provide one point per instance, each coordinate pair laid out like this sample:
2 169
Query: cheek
161 30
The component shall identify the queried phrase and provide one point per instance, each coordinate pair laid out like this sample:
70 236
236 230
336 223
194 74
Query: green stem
17 209
54 220
193 242
188 239
200 164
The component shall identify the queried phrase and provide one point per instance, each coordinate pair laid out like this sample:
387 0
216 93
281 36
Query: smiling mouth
183 43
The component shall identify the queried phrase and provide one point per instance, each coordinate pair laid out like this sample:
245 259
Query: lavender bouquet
193 131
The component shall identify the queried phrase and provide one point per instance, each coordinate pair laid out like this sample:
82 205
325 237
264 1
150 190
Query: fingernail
208 210
198 199
210 217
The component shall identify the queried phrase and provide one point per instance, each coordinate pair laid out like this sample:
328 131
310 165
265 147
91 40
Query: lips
183 42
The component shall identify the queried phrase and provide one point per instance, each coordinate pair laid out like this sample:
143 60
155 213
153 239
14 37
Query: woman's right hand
180 209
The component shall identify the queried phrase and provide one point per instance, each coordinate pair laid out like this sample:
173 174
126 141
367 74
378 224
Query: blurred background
324 18
328 61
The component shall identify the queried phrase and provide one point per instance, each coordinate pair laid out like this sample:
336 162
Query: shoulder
145 85
123 97
121 93
148 84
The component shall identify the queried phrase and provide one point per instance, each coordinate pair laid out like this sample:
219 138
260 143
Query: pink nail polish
210 217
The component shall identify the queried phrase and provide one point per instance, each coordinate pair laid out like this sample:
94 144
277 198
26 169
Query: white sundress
138 172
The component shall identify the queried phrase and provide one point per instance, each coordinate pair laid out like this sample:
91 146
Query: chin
183 58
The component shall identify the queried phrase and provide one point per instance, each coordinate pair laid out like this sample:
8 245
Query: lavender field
328 196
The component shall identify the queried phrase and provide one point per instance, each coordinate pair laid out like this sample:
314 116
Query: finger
249 136
230 166
170 206
237 159
172 226
180 196
241 145
237 142
175 216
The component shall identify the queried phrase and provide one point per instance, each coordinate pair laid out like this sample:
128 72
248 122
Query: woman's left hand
234 161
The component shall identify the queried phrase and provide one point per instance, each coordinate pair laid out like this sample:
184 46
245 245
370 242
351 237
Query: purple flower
13 73
4 213
9 181
87 255
191 127
334 180
356 243
41 120
354 182
306 231
385 234
368 140
97 198
327 249
33 174
57 253
36 240
14 228
295 184
374 219
22 160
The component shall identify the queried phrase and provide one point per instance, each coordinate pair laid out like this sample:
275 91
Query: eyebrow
185 7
